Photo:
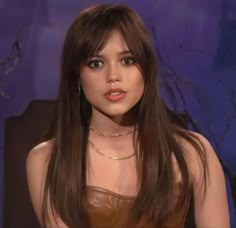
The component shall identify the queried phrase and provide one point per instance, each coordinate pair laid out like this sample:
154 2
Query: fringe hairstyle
65 184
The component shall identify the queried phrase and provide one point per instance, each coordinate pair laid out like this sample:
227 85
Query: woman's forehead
114 41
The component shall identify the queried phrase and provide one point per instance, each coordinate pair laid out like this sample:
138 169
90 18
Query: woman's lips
115 94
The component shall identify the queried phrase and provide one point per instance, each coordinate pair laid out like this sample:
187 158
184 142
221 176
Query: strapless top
111 210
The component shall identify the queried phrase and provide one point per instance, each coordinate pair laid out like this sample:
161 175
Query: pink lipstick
115 94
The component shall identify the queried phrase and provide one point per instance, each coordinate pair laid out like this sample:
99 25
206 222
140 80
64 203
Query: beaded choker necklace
111 135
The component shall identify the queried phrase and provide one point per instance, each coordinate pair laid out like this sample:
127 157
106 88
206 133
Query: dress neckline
109 192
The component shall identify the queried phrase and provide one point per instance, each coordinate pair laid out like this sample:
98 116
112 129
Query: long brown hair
65 184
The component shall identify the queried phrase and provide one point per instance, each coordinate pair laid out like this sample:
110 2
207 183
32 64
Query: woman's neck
111 125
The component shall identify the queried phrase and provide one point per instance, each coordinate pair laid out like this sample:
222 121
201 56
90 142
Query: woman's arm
212 210
36 167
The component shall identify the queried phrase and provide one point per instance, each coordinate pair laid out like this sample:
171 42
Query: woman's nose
113 73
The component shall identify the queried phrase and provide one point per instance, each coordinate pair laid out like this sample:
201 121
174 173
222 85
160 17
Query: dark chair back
22 133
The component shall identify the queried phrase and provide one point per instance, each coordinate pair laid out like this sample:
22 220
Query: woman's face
111 80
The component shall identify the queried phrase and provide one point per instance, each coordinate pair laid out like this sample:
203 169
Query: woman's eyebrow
125 52
97 55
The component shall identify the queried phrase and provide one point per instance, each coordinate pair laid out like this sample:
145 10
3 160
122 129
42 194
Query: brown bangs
97 29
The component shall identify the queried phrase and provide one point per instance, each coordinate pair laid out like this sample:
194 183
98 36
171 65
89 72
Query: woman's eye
95 63
128 61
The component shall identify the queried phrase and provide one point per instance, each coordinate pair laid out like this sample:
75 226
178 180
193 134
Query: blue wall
195 38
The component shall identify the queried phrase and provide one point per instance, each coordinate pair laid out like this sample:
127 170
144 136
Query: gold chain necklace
109 156
111 135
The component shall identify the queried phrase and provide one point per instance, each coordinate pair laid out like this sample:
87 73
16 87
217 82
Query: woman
114 157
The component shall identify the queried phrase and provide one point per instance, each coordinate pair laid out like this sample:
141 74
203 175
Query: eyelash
91 62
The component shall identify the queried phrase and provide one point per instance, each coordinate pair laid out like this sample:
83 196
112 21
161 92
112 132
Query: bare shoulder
210 197
193 155
200 157
41 152
37 160
194 160
36 168
199 139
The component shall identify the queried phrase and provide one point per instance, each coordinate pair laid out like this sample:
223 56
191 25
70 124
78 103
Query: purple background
195 38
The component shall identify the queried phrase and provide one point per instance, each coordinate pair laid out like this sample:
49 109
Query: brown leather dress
111 210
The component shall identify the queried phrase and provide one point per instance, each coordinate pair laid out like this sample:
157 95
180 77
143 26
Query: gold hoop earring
78 87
